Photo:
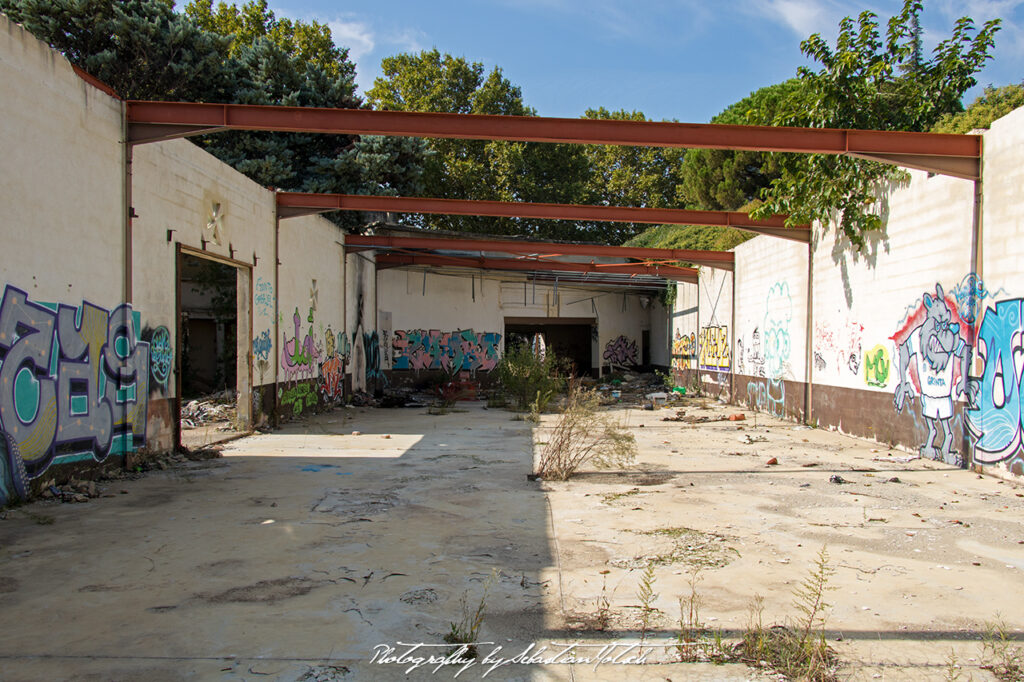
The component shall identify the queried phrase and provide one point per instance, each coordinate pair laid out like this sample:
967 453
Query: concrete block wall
771 325
715 345
914 340
312 345
68 401
102 298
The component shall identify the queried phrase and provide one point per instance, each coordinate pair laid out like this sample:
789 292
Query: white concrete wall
361 319
311 304
177 187
685 327
715 335
62 177
861 299
771 309
443 301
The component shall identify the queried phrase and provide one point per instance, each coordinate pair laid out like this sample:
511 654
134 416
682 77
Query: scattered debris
750 440
219 407
738 417
837 479
772 462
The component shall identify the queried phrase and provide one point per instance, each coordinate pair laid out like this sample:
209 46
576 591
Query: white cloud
803 17
355 35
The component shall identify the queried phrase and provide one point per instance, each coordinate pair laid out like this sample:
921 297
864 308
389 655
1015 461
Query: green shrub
524 376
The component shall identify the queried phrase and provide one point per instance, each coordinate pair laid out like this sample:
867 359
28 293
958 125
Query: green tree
476 169
141 48
870 83
629 176
993 104
307 42
725 180
295 63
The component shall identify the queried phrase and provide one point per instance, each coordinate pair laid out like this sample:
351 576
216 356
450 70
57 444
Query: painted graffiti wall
684 328
771 324
74 386
714 333
361 322
313 349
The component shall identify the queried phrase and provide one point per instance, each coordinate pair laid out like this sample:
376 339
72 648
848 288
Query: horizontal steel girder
664 271
291 204
881 145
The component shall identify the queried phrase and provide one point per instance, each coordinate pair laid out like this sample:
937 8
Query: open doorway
212 327
568 338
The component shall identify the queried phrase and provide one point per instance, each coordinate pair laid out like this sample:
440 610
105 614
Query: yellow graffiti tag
714 348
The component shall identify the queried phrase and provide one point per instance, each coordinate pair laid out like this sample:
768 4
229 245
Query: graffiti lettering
839 345
300 396
161 358
714 348
74 383
767 396
263 296
995 419
621 351
299 358
684 351
463 350
876 367
371 349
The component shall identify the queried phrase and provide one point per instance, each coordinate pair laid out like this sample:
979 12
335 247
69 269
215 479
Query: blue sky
672 59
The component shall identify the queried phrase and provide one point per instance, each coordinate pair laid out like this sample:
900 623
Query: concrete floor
299 552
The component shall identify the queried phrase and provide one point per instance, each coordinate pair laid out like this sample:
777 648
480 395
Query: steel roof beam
885 146
716 259
385 261
291 204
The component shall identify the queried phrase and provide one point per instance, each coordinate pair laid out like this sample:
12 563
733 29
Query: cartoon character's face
938 333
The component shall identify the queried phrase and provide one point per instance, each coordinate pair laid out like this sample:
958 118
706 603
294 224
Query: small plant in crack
603 616
645 593
1001 657
797 651
465 631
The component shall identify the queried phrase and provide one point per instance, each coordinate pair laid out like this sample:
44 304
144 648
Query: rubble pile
647 390
219 407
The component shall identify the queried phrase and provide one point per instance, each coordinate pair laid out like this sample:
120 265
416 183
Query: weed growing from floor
798 651
645 594
603 617
584 434
465 631
1001 656
952 671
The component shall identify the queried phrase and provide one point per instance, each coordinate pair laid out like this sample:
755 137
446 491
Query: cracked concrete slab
302 550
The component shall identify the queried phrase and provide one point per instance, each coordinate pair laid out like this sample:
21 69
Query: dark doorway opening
572 340
208 347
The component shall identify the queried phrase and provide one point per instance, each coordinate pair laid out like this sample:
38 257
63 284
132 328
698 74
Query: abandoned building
140 272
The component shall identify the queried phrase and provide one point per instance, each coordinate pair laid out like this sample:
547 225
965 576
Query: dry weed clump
584 434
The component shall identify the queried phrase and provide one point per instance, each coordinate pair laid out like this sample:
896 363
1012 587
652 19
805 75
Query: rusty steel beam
717 259
291 204
885 146
385 261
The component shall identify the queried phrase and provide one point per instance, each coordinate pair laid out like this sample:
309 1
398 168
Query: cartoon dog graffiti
933 361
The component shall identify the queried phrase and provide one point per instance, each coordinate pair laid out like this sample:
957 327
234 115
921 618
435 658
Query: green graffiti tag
301 397
876 367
